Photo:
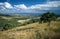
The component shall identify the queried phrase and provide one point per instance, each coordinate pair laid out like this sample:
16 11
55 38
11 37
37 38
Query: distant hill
4 15
25 14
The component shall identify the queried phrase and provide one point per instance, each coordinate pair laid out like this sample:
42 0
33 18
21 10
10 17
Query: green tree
48 17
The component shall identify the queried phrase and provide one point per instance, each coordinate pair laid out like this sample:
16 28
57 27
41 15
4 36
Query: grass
13 22
58 28
40 31
30 30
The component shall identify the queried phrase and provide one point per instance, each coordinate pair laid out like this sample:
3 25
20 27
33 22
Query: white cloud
8 5
46 6
21 8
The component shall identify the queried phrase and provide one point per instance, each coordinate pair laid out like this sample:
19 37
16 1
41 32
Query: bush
7 26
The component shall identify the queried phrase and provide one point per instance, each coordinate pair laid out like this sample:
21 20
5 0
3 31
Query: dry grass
31 31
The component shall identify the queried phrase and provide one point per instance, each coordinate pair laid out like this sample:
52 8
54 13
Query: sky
29 6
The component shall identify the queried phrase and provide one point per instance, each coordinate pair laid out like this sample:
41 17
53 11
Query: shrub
7 26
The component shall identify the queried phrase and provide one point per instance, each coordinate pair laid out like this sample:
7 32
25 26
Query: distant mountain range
25 14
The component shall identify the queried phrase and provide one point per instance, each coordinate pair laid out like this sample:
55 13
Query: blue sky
26 2
29 6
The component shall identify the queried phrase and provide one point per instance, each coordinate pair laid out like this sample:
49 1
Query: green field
11 22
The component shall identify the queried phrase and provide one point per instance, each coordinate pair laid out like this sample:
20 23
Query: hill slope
32 31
